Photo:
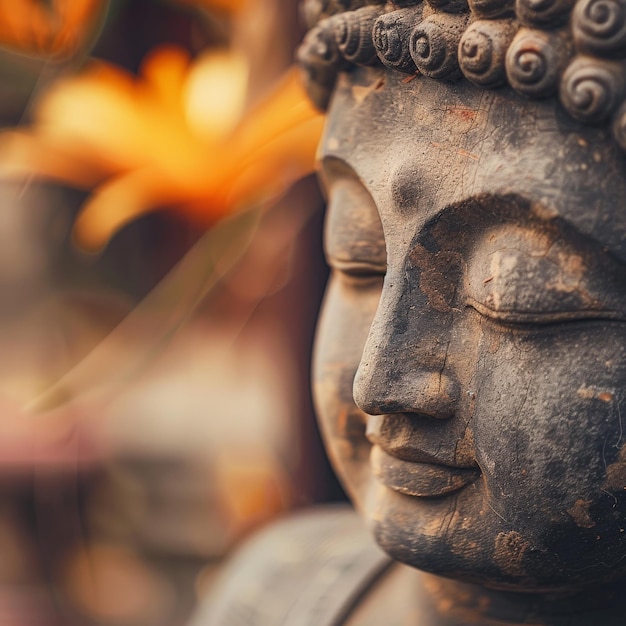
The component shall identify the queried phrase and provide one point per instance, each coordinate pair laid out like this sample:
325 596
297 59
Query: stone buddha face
470 370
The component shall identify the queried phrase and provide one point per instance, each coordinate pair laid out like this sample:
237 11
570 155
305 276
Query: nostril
430 394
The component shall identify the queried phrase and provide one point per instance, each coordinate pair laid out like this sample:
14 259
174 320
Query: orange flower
175 136
56 30
227 6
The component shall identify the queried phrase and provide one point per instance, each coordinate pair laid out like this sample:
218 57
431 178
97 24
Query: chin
460 537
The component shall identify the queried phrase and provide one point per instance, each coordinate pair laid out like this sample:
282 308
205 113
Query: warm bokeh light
175 136
228 6
154 406
50 29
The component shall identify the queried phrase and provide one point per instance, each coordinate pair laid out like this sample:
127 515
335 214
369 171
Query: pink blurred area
119 500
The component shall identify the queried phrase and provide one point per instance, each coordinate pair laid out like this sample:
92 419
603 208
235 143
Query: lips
419 479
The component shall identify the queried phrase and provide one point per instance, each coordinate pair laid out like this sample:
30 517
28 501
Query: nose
404 366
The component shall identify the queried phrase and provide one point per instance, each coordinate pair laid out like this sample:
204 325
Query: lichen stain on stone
437 285
605 396
616 473
332 143
360 92
464 119
573 264
465 548
509 552
580 514
465 449
544 210
494 343
569 278
591 393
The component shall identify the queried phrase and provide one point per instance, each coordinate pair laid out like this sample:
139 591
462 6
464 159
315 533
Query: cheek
548 421
342 331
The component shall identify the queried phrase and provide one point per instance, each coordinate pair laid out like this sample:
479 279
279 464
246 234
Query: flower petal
23 25
23 155
165 70
285 107
75 17
215 94
33 28
273 146
106 112
118 202
227 6
271 169
97 112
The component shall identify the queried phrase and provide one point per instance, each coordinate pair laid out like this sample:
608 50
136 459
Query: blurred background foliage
154 387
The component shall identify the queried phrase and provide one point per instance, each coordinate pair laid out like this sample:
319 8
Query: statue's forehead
422 146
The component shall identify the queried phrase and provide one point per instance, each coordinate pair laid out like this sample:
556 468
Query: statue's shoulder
308 569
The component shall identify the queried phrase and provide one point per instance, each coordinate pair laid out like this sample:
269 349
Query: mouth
419 479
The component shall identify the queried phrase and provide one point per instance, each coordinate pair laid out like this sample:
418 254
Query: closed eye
359 268
544 318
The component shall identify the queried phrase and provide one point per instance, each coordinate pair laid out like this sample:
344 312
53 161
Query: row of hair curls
541 48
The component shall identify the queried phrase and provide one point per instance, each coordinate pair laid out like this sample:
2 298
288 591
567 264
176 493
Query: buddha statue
470 368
